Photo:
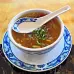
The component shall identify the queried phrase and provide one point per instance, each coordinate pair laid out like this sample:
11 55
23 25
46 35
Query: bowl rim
33 49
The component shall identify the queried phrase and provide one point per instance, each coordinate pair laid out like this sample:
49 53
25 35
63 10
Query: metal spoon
27 25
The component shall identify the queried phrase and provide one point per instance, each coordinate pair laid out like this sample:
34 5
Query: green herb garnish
40 34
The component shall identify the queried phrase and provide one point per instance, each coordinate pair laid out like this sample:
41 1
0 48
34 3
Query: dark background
67 67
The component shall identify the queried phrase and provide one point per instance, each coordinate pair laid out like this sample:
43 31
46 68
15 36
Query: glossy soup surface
42 37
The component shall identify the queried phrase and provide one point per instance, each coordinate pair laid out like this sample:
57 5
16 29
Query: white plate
38 62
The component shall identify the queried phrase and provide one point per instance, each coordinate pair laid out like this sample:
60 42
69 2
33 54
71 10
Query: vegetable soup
41 37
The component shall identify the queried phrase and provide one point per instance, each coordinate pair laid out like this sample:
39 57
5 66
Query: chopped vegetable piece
35 46
48 40
38 43
21 41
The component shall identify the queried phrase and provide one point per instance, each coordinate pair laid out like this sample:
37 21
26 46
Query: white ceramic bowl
33 49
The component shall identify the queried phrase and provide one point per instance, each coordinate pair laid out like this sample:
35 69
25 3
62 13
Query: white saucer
38 62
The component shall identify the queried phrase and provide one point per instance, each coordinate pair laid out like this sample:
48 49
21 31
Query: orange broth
51 32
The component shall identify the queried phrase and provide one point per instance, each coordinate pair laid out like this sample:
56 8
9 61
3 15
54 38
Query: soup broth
41 37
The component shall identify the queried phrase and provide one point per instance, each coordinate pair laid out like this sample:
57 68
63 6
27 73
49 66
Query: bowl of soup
43 38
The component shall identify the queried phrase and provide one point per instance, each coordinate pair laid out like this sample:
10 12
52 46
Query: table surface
67 67
9 8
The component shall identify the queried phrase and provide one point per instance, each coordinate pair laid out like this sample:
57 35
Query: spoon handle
50 16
